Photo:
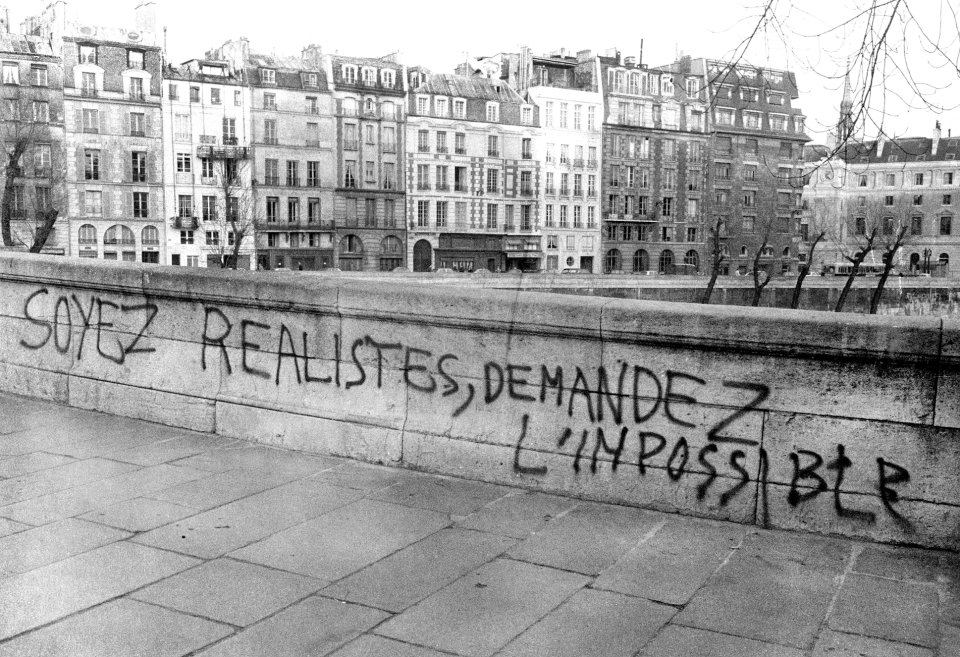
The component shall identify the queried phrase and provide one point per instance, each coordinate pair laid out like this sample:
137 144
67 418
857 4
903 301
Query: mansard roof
446 84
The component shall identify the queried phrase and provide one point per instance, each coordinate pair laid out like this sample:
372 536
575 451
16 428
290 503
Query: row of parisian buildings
568 161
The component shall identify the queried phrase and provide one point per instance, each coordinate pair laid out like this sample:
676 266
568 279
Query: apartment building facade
885 185
207 164
756 162
566 91
368 200
474 176
31 122
112 121
291 130
654 183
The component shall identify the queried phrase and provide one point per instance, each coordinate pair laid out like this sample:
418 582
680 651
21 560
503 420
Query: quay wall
833 423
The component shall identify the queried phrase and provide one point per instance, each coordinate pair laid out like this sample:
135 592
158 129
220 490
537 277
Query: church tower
845 125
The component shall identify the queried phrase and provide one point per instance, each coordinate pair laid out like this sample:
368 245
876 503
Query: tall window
493 176
41 160
39 76
423 214
183 163
140 203
138 167
548 114
313 174
91 121
91 165
492 149
270 131
137 124
88 54
93 204
493 112
563 115
491 216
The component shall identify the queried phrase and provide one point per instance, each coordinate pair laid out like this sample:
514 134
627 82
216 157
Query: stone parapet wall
830 423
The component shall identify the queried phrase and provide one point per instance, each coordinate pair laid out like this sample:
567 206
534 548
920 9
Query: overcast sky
437 34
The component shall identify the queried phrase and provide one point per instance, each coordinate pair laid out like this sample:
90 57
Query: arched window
786 252
351 253
914 261
391 253
743 251
692 258
391 244
944 259
666 262
110 236
351 245
368 105
767 252
641 260
88 234
150 235
725 250
612 260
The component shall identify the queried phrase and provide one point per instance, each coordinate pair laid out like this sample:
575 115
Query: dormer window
666 85
349 74
493 112
369 76
310 80
135 59
88 54
526 115
693 86
750 95
423 105
268 76
459 109
387 77
11 73
774 77
776 99
440 107
798 124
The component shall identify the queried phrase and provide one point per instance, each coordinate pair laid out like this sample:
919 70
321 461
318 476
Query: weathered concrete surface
838 424
272 553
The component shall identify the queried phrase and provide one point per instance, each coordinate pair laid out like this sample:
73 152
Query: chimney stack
630 60
936 138
4 20
146 16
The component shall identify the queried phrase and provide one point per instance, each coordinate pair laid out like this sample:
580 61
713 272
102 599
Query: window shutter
129 203
78 121
80 171
106 205
152 174
128 167
148 123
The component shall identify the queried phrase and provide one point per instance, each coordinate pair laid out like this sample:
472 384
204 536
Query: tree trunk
846 287
43 232
804 272
877 293
710 285
13 170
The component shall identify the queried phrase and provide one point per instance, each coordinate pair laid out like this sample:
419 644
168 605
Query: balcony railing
526 191
591 193
119 240
230 141
442 149
423 186
526 155
460 187
311 109
578 191
136 95
591 164
271 180
493 152
293 182
460 151
390 148
443 187
313 182
313 143
551 159
185 223
89 92
564 160
351 144
578 163
273 141
423 148
551 189
564 191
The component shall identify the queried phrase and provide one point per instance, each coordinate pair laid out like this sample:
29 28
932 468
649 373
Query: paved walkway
120 537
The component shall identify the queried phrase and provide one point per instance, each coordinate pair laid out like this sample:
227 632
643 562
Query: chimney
312 55
630 60
4 20
613 53
584 55
936 138
146 16
881 142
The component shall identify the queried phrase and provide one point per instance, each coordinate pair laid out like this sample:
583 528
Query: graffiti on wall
621 420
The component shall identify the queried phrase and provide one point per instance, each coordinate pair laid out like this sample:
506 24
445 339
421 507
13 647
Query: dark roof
23 44
382 62
908 149
446 84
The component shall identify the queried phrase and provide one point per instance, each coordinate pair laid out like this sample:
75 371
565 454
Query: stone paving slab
175 543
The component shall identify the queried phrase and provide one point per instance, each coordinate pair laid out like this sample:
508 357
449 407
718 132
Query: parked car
443 270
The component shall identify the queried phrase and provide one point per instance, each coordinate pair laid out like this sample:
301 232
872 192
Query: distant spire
845 125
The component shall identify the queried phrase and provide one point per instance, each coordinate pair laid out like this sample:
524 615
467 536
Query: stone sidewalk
120 537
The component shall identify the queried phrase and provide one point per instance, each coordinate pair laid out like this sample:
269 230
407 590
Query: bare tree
236 215
717 256
893 235
763 272
858 239
824 214
33 169
899 54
